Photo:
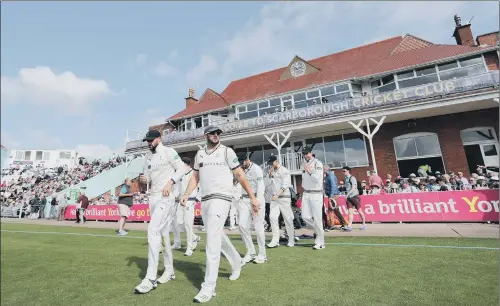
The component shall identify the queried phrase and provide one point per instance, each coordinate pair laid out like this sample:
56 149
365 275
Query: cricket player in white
312 197
162 171
185 214
214 169
281 201
235 204
255 178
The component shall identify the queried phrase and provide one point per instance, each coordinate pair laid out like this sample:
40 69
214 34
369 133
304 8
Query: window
27 155
46 155
422 76
335 93
340 150
480 146
39 155
256 155
19 155
476 135
385 84
414 150
64 155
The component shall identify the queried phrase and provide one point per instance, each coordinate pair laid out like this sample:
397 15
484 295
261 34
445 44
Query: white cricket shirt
255 178
163 165
281 179
313 181
183 184
216 172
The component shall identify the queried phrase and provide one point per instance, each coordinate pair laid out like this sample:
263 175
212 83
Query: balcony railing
352 105
292 161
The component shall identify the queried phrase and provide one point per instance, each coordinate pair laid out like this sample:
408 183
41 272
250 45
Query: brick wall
490 39
447 128
491 59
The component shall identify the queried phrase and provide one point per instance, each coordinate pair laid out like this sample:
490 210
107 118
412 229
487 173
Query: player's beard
211 143
153 147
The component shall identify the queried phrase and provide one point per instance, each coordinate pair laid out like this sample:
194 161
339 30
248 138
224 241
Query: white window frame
19 155
415 135
345 163
292 98
480 142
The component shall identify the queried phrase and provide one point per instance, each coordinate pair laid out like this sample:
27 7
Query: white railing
292 161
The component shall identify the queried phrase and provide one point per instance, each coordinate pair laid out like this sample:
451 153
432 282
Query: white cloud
312 29
141 59
42 86
164 69
206 65
173 55
97 151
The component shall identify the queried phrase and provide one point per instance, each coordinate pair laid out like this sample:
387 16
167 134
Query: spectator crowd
484 178
24 186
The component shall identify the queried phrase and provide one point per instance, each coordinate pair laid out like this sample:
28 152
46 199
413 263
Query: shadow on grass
194 272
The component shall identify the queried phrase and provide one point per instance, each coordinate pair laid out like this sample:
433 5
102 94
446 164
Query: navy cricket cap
272 159
306 150
151 135
211 129
242 157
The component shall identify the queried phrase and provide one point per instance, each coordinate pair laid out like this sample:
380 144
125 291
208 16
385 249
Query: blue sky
79 74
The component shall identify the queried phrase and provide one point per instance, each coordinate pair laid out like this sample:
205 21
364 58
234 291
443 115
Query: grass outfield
83 268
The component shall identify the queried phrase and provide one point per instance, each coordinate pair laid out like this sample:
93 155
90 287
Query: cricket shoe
202 297
166 277
176 246
248 258
188 252
145 286
273 245
318 247
260 260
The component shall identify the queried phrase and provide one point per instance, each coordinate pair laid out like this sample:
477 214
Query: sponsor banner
138 212
449 206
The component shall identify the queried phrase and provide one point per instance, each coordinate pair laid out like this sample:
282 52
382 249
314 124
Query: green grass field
79 269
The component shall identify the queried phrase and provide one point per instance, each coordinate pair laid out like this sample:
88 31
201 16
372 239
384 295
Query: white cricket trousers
185 219
214 213
233 212
245 224
312 205
162 215
283 205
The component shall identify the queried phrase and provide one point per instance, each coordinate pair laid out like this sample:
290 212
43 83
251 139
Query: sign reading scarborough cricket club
352 104
446 206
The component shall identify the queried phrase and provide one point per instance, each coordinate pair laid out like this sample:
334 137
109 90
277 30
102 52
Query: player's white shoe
272 245
318 247
248 258
188 252
166 277
235 275
202 297
145 286
260 260
176 246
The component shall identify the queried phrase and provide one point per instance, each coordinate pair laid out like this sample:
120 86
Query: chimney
463 33
190 100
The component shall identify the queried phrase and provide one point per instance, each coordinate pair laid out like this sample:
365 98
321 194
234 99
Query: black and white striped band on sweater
218 196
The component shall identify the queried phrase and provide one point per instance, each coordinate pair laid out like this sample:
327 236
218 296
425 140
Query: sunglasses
215 133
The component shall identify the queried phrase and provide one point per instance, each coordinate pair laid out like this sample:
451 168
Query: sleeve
177 163
317 172
334 185
261 187
196 166
146 171
123 190
354 183
287 180
232 159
